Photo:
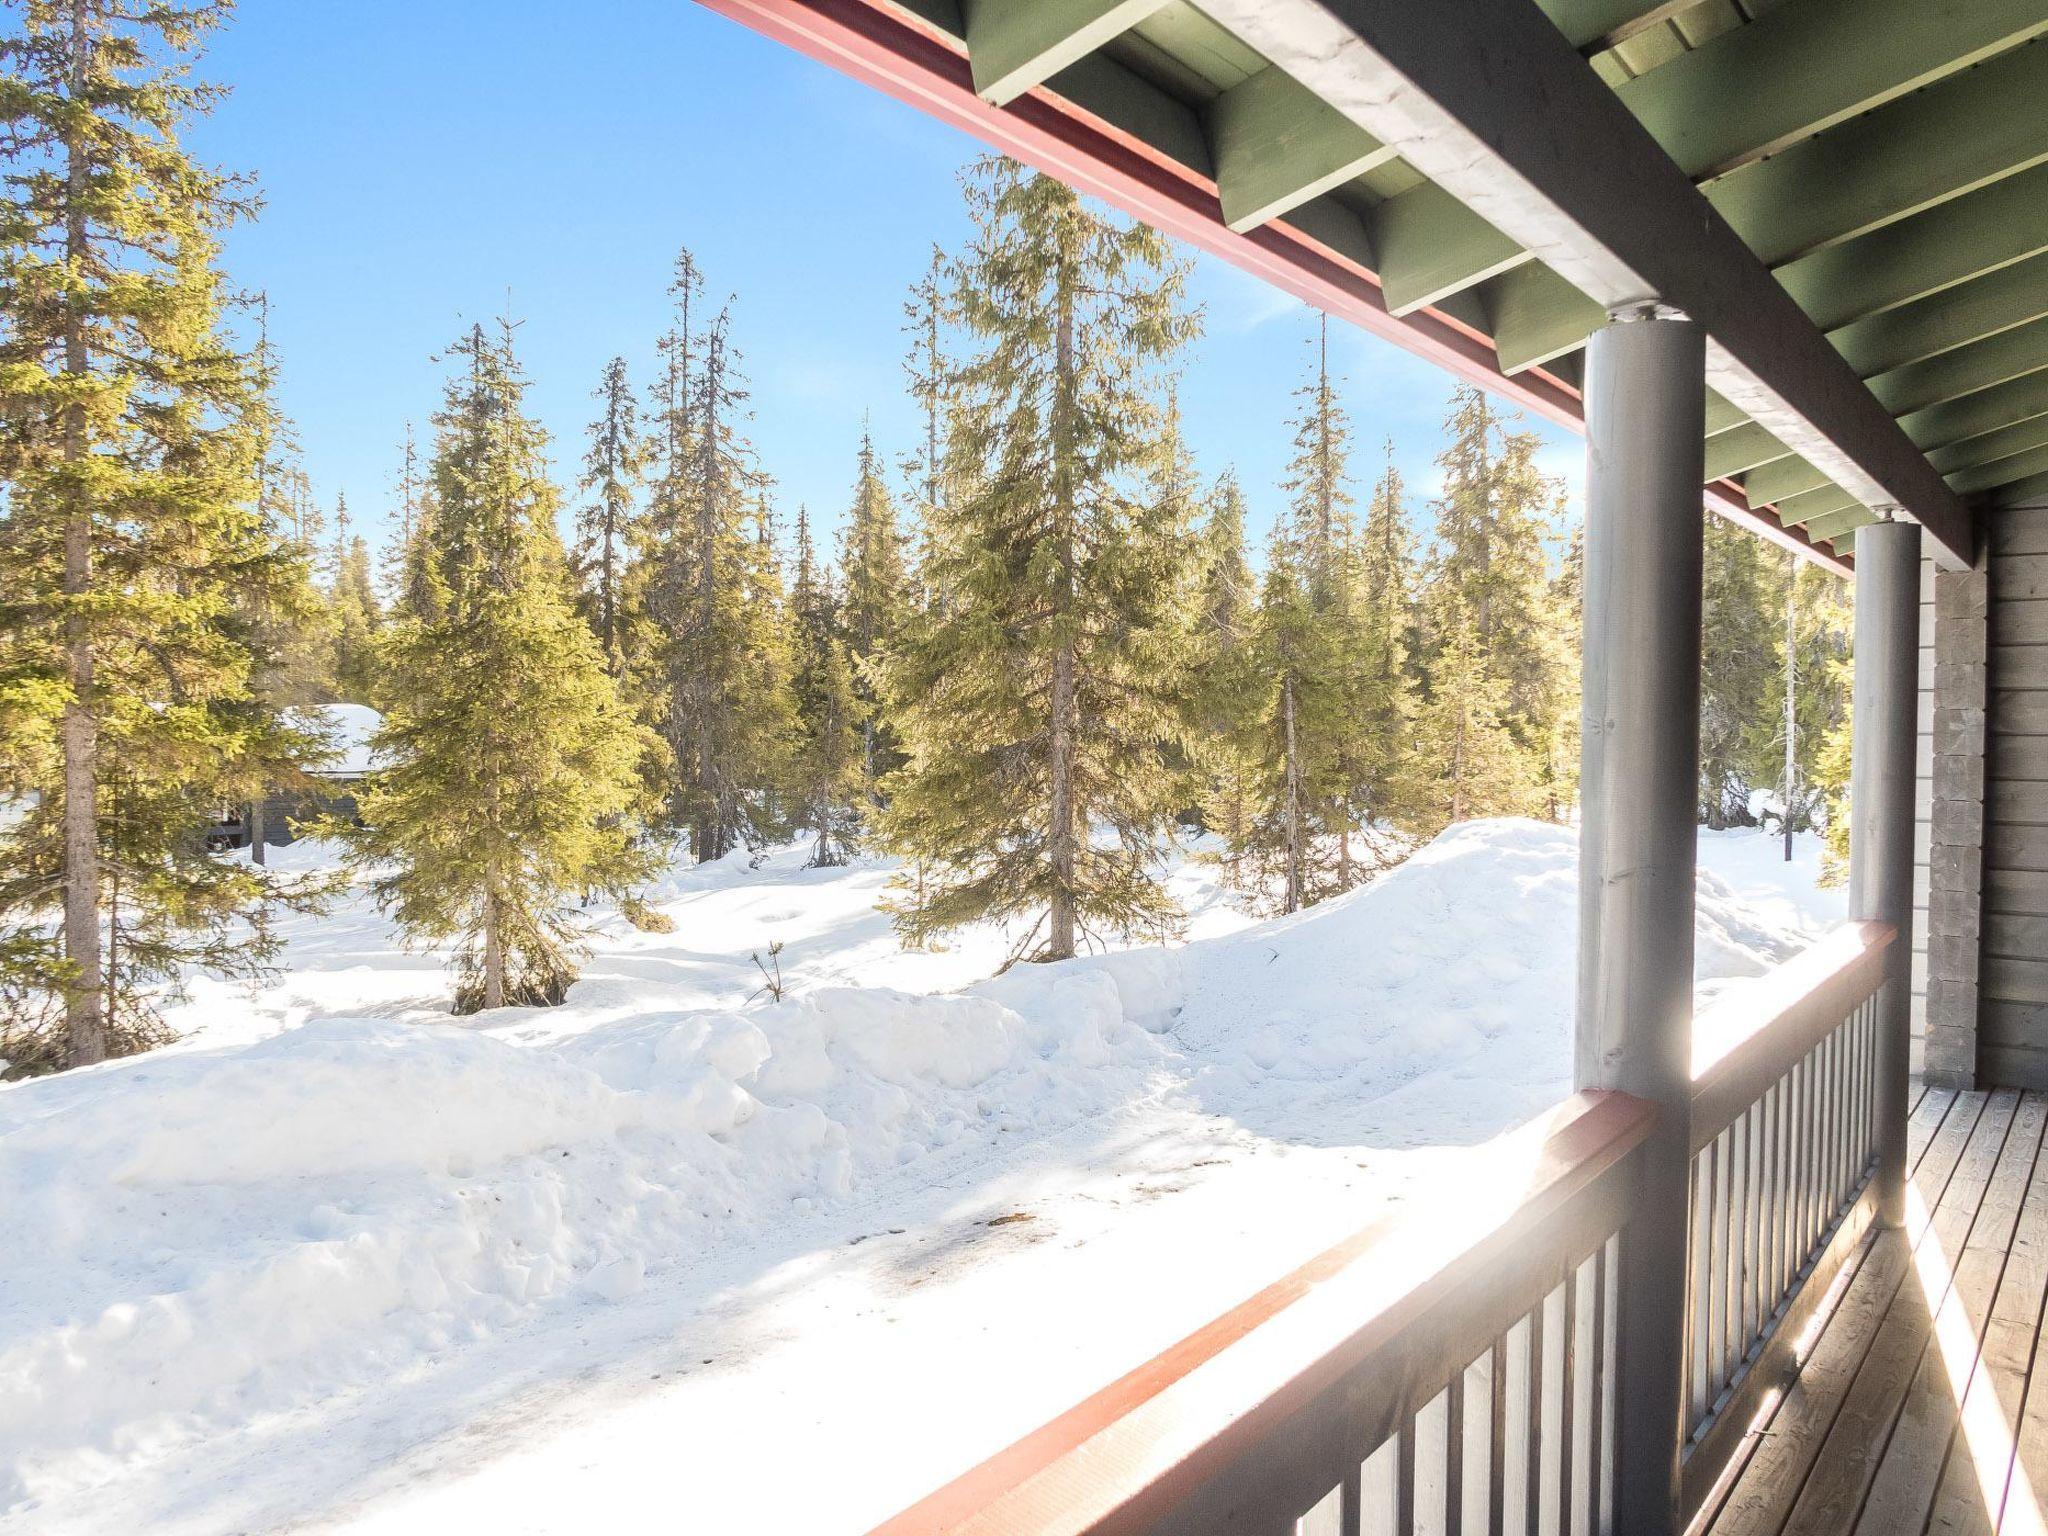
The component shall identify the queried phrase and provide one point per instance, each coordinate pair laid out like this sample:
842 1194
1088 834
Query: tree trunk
1060 843
1295 883
1458 774
1062 813
494 953
1791 691
85 1021
256 851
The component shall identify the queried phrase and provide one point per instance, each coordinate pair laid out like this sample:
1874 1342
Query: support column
1881 813
1639 791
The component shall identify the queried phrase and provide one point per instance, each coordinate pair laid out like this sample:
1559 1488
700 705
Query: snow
337 1259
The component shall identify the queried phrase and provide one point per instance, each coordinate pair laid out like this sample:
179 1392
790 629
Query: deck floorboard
1922 1405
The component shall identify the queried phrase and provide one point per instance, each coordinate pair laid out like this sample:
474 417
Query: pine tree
876 599
828 780
129 442
1038 700
605 523
512 776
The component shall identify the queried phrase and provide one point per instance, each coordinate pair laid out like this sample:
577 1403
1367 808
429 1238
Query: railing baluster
1497 1440
1610 1270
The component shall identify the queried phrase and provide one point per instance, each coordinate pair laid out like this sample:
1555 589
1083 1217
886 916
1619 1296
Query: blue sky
420 161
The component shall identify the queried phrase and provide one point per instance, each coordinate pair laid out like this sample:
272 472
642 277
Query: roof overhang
1462 181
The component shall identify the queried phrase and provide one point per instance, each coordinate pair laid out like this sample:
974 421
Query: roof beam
1110 134
1881 168
1276 144
1756 88
1491 102
1936 249
1013 45
1954 317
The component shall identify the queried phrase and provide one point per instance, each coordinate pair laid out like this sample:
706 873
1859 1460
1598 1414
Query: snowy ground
658 1257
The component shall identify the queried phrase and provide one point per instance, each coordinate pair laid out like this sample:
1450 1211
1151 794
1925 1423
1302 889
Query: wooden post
1881 813
1639 783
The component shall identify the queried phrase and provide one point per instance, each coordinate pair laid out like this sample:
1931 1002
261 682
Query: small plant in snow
771 973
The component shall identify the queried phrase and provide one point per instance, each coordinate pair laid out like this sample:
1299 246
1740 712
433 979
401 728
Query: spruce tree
875 584
1038 700
129 444
605 522
511 783
1474 764
827 778
355 615
1494 573
1387 639
1317 742
1226 680
711 669
1739 654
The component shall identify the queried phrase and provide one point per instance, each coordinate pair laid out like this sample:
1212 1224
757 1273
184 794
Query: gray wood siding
1923 810
2013 1016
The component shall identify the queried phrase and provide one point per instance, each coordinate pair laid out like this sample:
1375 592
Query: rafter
1990 228
1753 90
1740 449
1808 505
1832 525
1924 149
1013 45
1986 410
1774 482
1953 317
1276 144
2019 467
1985 447
1488 100
2008 355
1801 68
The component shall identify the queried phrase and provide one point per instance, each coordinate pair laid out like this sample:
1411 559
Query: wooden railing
1784 1145
1458 1372
1412 1370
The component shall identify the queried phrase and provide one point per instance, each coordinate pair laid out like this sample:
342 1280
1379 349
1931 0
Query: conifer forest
1039 646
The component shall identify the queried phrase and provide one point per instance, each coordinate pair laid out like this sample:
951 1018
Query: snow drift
200 1238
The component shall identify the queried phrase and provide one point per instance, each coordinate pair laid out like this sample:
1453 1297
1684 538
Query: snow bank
197 1239
204 1237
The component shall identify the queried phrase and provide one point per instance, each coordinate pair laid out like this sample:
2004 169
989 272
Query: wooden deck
1922 1405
